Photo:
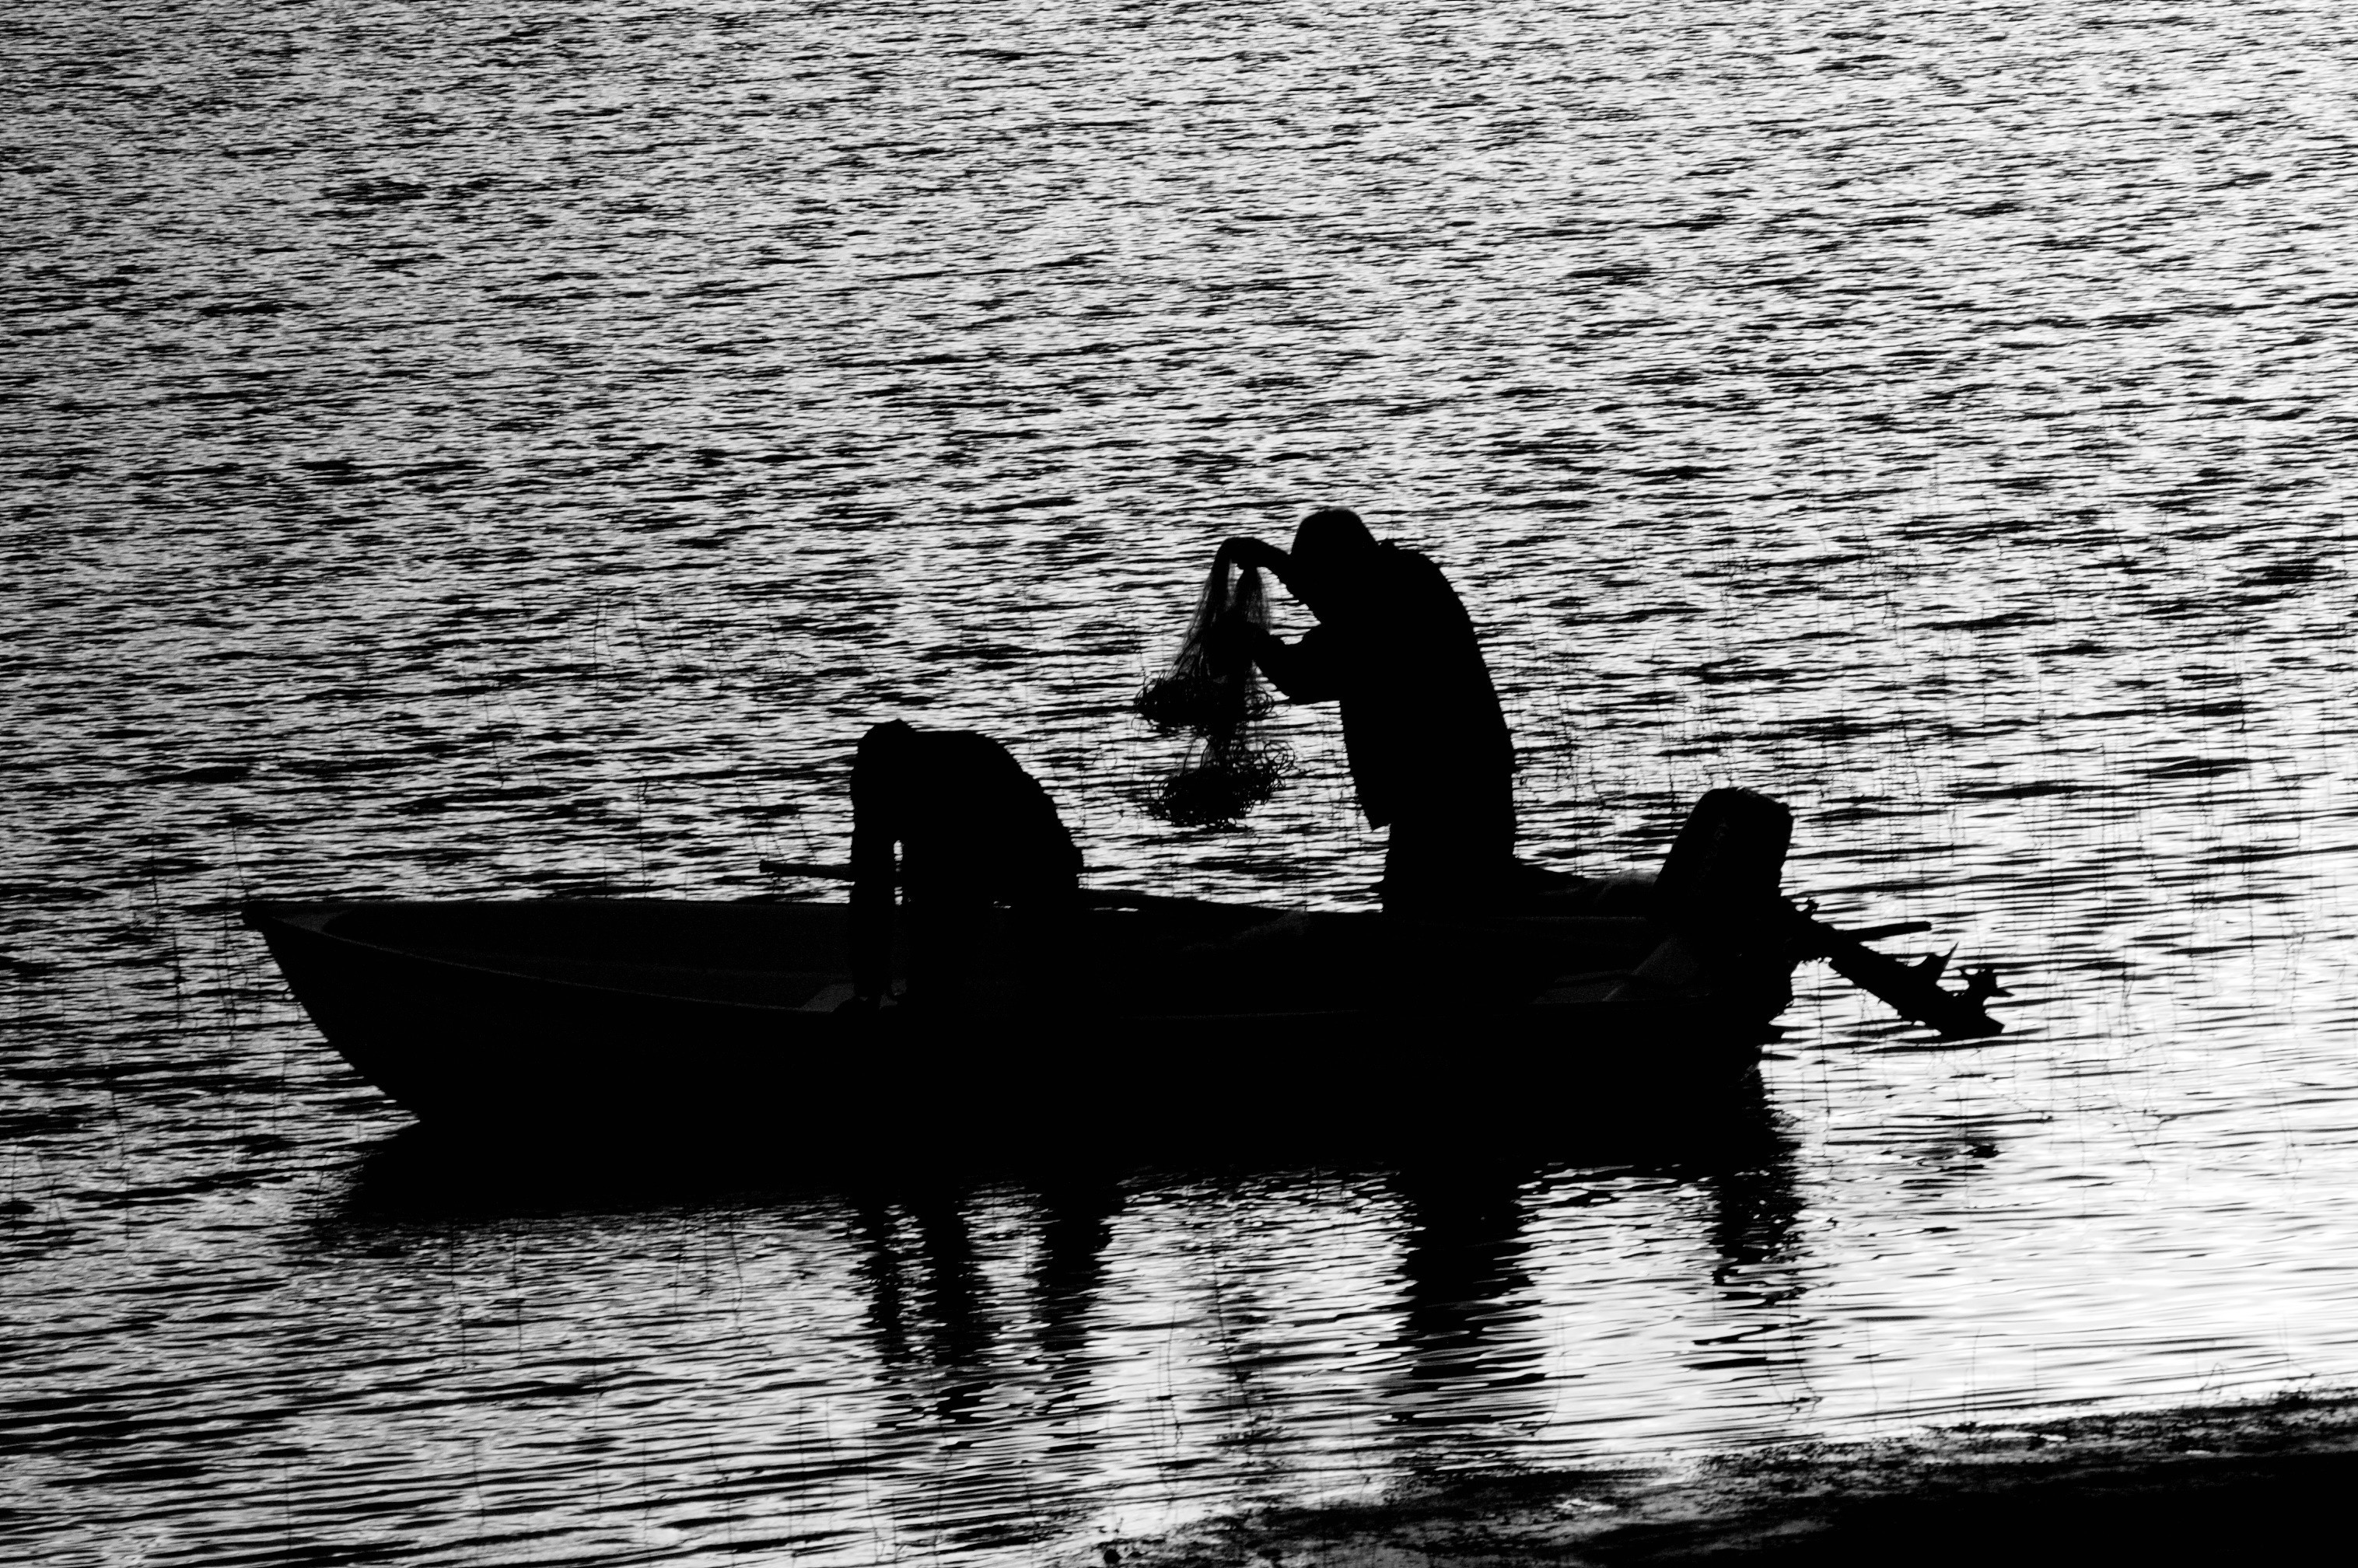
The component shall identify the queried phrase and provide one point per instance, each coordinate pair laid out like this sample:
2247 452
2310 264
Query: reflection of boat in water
1214 1019
1407 1317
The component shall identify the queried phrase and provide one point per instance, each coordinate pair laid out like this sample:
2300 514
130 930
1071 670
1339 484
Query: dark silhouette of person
1429 749
974 830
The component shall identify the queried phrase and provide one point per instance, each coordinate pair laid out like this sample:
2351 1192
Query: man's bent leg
1445 868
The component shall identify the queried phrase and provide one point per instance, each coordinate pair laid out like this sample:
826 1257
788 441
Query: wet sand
2256 1482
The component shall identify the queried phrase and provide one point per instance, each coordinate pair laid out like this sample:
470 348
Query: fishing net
1210 696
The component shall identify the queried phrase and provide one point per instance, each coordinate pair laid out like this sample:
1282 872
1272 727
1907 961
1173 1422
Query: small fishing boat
579 1012
1153 1014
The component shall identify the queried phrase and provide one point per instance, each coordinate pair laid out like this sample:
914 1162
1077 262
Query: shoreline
2191 1484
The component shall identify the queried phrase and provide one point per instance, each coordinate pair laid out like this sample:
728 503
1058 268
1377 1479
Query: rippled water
470 448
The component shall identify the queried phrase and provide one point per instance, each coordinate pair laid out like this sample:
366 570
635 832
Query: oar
1099 898
825 870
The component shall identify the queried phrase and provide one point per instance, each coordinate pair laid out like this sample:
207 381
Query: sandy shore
2272 1481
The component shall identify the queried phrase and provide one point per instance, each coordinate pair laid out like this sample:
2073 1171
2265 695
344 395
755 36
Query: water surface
473 450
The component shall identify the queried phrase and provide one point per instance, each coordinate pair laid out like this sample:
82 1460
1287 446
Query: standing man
974 830
1429 749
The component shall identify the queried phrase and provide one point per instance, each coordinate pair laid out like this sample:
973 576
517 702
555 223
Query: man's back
1424 726
965 813
973 828
1420 717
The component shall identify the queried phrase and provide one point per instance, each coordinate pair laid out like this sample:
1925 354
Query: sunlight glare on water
476 449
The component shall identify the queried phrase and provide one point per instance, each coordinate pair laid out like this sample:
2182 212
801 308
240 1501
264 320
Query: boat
1153 1014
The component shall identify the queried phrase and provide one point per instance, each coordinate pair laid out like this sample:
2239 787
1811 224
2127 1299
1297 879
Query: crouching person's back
989 878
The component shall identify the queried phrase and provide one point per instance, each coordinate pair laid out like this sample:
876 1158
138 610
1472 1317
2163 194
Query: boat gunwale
260 914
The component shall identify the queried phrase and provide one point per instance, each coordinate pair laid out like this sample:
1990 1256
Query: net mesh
1210 696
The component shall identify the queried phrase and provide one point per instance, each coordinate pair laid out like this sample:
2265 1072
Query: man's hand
1242 551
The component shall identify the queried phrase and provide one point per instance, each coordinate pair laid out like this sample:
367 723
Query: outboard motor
1718 897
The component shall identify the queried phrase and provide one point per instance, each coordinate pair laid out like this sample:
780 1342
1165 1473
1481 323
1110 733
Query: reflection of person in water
974 829
1429 748
928 1309
1463 1266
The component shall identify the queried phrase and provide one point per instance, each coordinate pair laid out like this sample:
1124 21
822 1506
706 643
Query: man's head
1329 550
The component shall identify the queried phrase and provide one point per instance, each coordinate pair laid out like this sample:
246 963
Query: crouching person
974 833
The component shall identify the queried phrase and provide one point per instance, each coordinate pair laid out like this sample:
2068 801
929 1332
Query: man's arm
1244 551
1302 669
874 828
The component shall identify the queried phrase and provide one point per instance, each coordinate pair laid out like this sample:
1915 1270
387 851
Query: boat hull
600 1017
